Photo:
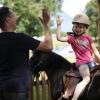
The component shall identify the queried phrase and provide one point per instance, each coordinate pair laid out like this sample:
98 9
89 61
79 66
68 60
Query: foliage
92 12
28 12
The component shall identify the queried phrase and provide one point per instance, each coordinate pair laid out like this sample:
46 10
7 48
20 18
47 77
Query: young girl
82 45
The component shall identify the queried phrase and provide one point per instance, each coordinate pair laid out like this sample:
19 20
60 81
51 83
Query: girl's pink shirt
82 48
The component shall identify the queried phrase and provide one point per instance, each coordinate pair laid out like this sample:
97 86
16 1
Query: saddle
72 78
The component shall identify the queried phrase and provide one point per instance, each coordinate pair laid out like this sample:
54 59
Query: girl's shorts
91 64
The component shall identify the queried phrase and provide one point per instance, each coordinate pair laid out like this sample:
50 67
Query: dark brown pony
56 67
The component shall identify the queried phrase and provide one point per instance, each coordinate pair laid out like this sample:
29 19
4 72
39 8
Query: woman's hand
45 17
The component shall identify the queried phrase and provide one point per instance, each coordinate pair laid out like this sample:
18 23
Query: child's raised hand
59 20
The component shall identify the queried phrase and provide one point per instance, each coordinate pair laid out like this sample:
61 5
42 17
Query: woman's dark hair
4 12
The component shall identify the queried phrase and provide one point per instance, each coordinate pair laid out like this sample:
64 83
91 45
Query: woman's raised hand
45 17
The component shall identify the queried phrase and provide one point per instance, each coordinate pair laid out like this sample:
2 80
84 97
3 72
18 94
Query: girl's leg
84 72
65 95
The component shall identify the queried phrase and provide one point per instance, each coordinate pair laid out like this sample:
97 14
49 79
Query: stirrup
64 98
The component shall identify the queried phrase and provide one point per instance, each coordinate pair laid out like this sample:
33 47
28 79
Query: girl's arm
58 33
96 53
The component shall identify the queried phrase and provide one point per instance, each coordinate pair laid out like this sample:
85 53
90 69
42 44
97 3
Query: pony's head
55 66
36 62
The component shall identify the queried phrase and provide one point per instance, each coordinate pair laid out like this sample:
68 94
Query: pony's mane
52 58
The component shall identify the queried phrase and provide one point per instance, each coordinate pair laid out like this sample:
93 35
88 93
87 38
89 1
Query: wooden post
43 86
99 25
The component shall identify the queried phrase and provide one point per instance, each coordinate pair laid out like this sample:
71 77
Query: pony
56 68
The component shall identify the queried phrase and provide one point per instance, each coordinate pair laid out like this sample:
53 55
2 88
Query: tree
28 12
92 12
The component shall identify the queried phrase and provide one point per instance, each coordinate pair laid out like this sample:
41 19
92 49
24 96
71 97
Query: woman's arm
47 43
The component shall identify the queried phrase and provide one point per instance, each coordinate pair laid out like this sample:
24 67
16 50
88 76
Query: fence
40 88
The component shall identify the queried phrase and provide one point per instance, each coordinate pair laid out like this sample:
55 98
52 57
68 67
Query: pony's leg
84 72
